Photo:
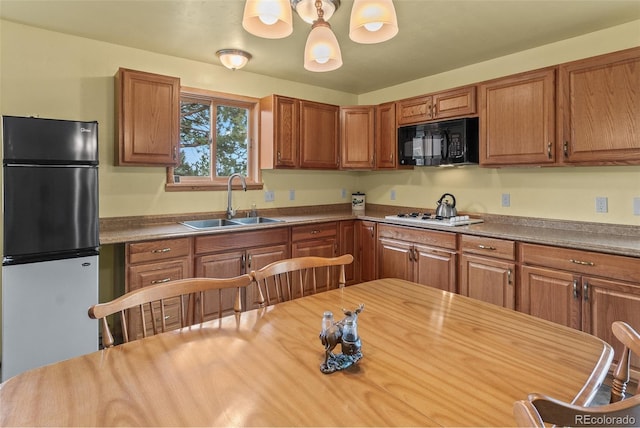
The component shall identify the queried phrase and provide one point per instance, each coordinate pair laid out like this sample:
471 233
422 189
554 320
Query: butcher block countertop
605 238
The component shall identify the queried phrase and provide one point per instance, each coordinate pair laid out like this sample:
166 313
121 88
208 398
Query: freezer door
49 210
44 313
35 140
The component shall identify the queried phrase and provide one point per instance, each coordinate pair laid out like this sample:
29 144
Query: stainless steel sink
209 224
223 222
255 220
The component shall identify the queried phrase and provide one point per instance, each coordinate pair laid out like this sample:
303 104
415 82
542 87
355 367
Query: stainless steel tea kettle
445 210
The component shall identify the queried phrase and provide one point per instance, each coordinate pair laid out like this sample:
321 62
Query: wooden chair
152 301
290 278
539 409
631 341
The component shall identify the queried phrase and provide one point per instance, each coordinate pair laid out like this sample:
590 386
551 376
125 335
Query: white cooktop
462 220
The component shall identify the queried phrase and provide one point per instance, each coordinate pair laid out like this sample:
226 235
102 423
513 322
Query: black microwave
451 142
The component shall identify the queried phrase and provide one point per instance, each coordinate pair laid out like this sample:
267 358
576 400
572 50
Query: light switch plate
636 205
269 196
392 194
292 195
506 199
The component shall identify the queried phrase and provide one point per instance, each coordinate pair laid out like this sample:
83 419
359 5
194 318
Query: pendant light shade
322 51
373 21
233 59
270 19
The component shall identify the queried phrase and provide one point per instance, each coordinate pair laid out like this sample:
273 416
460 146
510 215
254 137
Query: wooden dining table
430 358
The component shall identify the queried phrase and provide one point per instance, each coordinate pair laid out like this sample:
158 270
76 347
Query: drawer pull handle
580 262
313 232
160 281
162 250
486 247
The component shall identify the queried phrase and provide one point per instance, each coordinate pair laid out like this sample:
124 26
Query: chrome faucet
230 211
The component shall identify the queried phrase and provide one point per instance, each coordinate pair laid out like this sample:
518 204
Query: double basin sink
216 223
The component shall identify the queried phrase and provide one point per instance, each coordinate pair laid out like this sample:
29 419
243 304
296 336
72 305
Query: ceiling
435 35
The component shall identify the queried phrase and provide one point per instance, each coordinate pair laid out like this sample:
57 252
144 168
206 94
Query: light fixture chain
319 9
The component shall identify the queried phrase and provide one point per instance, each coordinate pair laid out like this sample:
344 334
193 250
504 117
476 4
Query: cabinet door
395 259
347 244
600 109
488 280
458 102
279 132
517 119
148 118
435 267
319 135
551 295
366 250
607 301
386 136
257 258
357 137
414 110
223 265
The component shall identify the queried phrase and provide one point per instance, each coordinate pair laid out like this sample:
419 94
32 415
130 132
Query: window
217 138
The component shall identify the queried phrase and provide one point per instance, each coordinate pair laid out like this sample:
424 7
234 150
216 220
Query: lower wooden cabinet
422 256
316 240
347 245
581 289
366 246
232 254
488 270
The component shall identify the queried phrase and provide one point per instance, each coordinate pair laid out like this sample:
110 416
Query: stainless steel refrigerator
51 241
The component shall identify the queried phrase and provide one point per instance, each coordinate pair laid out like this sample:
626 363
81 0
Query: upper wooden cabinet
386 137
357 129
441 105
147 118
517 119
298 134
599 109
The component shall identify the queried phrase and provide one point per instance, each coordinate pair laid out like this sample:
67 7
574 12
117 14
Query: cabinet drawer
583 262
240 240
314 231
172 315
492 247
163 249
418 236
157 273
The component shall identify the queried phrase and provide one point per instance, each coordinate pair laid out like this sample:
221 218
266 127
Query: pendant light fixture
373 21
322 51
233 59
270 19
306 9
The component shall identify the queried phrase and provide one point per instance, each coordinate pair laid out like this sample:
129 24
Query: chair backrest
291 278
539 409
150 304
631 341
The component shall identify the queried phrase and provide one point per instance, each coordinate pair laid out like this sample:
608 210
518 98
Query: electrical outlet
269 196
292 195
392 194
506 199
636 205
601 204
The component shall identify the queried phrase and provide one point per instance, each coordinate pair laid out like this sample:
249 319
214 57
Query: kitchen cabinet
438 106
147 118
357 137
235 253
156 262
423 256
320 239
386 137
580 289
297 133
488 270
366 245
599 109
347 245
517 119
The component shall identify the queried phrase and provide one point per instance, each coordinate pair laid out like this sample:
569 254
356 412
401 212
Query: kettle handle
452 197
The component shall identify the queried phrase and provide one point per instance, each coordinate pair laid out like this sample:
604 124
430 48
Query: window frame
254 177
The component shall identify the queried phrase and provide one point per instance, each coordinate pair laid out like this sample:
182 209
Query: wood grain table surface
431 358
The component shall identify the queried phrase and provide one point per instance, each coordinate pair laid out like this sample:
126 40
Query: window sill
194 187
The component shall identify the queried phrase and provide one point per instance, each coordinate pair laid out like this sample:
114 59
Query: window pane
231 140
195 139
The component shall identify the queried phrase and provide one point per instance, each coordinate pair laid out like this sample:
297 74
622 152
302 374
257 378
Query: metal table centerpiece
344 332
